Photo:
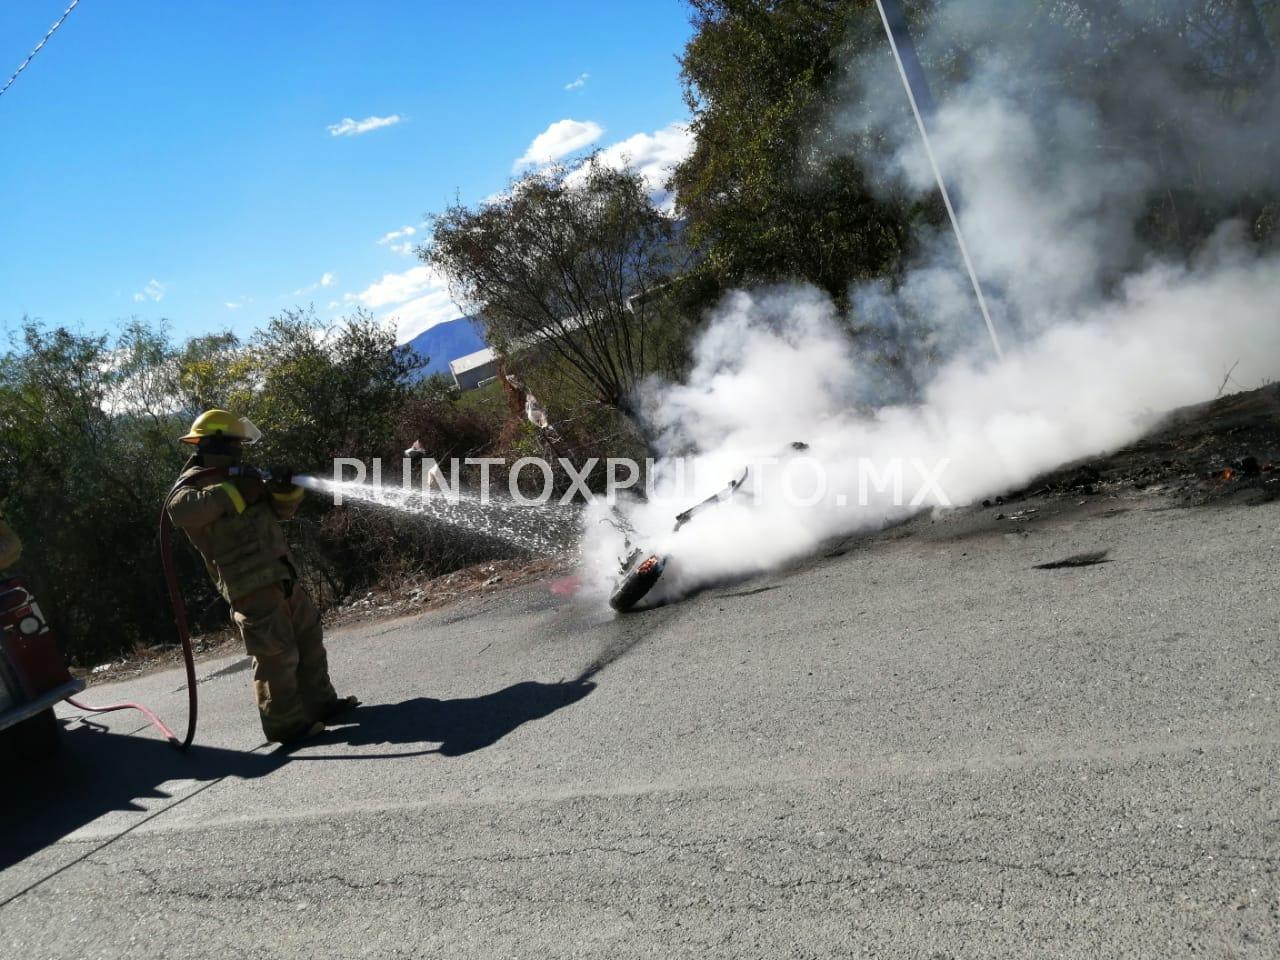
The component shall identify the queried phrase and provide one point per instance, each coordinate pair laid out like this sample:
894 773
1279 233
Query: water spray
542 528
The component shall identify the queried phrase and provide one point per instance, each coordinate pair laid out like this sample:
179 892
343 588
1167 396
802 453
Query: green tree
1188 87
770 192
319 393
213 370
87 457
89 452
569 263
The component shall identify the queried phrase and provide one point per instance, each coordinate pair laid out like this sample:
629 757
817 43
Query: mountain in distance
447 341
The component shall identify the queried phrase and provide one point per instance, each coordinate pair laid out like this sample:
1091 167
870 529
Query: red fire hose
179 619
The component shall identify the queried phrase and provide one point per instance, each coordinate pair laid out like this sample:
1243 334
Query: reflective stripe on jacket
243 546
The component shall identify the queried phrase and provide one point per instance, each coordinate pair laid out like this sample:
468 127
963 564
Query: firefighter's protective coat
242 544
246 554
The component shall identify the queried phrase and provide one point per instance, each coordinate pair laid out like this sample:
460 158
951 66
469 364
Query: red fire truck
33 676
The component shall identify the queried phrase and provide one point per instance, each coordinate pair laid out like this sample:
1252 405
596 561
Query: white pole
942 185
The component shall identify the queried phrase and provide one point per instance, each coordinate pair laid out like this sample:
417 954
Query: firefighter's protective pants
281 630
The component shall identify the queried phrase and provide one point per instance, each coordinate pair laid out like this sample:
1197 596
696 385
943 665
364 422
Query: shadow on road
460 726
97 772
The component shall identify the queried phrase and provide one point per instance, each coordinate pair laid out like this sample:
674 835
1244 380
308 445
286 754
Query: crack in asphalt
926 861
87 855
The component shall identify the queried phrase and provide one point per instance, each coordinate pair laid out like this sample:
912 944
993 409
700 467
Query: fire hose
180 621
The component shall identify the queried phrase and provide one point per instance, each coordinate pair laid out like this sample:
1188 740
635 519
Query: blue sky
190 161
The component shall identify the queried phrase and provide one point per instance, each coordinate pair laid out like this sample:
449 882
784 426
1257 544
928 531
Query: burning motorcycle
640 571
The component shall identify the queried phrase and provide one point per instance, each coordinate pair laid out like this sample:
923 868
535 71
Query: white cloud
353 128
423 313
233 306
397 239
578 83
326 280
559 140
652 155
405 231
419 298
396 287
154 290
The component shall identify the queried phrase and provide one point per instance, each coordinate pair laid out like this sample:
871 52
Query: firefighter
10 546
234 521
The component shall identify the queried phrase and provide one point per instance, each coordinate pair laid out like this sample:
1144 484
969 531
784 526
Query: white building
474 369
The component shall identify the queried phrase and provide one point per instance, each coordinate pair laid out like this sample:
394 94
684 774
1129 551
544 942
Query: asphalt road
917 746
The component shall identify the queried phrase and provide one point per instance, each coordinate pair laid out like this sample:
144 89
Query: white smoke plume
1102 337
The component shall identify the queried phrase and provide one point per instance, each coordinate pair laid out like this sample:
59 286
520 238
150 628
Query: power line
31 56
895 25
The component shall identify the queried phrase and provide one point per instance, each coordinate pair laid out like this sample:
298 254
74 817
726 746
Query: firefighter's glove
281 479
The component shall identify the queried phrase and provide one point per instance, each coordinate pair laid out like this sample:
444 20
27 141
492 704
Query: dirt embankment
1227 449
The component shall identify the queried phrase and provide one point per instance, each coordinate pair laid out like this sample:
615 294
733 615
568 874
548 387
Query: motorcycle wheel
636 582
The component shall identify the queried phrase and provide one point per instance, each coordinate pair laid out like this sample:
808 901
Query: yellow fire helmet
220 423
